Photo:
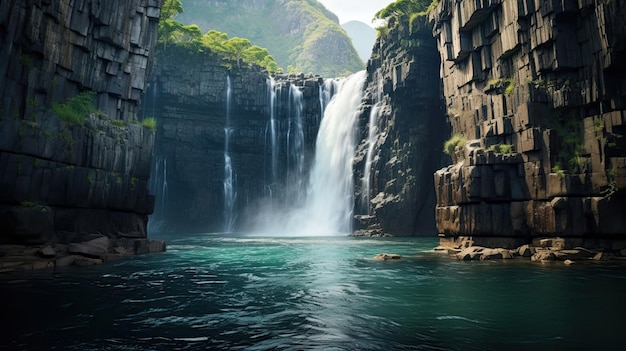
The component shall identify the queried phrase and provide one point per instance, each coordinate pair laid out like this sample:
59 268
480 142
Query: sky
355 10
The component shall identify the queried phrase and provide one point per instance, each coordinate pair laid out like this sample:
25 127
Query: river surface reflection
235 292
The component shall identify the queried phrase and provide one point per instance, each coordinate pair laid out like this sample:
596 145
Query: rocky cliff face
537 88
401 119
64 181
258 146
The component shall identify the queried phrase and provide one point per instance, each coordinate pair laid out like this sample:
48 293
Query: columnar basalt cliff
538 90
266 134
402 120
63 180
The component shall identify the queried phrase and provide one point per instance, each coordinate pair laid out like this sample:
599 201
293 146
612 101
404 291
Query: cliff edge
74 159
401 117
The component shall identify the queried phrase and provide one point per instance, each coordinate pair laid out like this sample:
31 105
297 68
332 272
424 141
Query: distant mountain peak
363 37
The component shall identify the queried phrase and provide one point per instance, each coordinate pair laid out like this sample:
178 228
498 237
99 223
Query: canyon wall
271 126
401 131
64 180
537 87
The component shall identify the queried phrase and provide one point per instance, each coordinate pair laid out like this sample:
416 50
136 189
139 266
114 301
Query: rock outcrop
189 96
537 87
62 179
402 122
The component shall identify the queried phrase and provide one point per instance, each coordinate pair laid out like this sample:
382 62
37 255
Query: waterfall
229 184
331 190
164 189
372 138
271 86
155 92
295 141
158 186
329 195
326 91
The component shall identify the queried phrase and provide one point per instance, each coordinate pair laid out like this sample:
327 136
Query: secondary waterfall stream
229 184
372 138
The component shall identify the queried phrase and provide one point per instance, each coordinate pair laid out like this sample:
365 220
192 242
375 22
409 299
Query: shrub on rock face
76 109
452 143
149 123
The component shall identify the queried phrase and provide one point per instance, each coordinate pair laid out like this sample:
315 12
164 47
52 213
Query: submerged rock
386 257
543 256
47 252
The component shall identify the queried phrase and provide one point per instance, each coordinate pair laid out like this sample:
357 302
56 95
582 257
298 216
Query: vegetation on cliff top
232 50
403 11
302 35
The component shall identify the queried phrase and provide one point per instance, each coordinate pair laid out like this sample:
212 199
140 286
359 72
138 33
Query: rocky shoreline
97 250
540 250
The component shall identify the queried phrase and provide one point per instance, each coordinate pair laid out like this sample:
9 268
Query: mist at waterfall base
326 204
233 292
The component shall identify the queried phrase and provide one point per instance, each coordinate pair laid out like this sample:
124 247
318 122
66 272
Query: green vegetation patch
572 149
406 11
502 148
238 51
502 85
557 169
76 109
451 144
118 123
149 123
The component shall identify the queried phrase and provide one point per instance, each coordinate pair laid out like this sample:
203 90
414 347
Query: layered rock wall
60 180
537 87
188 95
401 120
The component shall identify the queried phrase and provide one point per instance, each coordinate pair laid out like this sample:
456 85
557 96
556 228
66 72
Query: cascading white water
330 194
271 86
229 184
372 138
295 141
164 189
328 205
326 92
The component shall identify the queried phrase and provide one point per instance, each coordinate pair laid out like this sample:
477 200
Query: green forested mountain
301 35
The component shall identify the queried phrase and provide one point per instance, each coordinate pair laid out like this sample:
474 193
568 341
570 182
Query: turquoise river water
232 292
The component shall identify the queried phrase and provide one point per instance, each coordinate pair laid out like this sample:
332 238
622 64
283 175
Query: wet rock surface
402 110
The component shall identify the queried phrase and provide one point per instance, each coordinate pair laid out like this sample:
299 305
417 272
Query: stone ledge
567 250
92 252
